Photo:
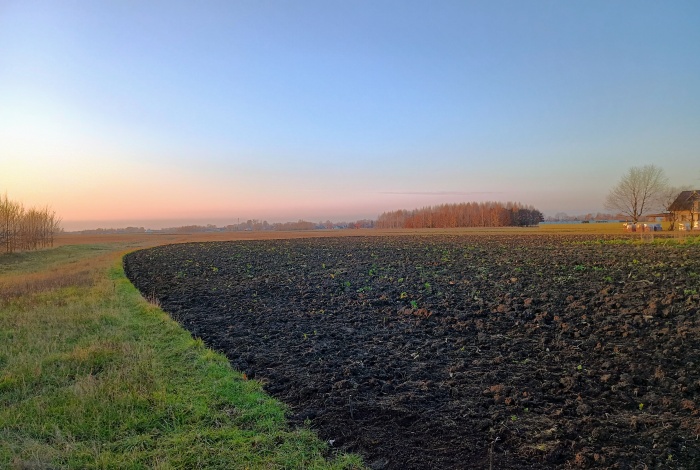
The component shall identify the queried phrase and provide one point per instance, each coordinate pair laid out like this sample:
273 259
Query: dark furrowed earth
465 351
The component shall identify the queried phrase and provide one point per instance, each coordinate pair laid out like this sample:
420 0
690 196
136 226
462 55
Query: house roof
684 201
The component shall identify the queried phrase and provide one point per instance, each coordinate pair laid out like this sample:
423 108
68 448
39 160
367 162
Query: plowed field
457 351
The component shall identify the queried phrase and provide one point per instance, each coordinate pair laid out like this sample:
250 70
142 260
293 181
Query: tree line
26 229
597 217
468 214
250 225
256 225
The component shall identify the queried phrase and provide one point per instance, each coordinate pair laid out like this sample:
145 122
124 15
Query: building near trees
686 208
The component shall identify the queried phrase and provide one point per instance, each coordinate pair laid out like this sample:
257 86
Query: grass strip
93 376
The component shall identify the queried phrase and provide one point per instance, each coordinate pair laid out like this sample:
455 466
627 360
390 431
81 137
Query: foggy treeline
257 225
250 225
599 216
468 214
25 229
254 225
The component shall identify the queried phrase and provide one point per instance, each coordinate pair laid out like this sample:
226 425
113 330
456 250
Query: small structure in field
642 227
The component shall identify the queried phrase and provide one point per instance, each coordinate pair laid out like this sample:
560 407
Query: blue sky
192 111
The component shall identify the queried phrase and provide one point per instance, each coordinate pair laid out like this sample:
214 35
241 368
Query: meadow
95 376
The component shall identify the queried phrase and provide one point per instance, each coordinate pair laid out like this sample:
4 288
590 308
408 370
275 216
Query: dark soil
457 351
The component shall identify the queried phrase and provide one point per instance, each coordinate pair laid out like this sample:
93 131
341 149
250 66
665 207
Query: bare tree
10 214
669 196
640 190
26 229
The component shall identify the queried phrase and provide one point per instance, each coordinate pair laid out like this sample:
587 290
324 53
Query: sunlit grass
93 376
612 228
32 261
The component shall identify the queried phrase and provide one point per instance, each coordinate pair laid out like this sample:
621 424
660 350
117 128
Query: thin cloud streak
440 193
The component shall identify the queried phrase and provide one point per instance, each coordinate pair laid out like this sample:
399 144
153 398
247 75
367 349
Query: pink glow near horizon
323 111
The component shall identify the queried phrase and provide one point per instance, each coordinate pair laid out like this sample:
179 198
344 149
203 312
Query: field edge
95 376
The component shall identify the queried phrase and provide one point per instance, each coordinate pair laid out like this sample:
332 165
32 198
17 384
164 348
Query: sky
165 113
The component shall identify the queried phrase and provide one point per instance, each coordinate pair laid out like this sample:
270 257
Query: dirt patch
452 351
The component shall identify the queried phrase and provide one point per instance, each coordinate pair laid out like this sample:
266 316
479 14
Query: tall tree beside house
640 190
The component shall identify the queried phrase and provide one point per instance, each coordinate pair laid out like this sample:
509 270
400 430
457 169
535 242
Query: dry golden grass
143 240
39 282
83 273
611 228
146 240
78 273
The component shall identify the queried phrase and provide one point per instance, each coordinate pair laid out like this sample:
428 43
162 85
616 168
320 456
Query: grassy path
93 376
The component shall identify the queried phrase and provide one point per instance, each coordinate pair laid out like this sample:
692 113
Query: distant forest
253 225
468 214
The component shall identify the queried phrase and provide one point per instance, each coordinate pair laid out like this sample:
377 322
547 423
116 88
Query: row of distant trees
469 214
256 225
249 225
26 229
598 216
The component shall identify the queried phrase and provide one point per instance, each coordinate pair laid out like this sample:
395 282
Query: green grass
664 239
33 261
93 376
